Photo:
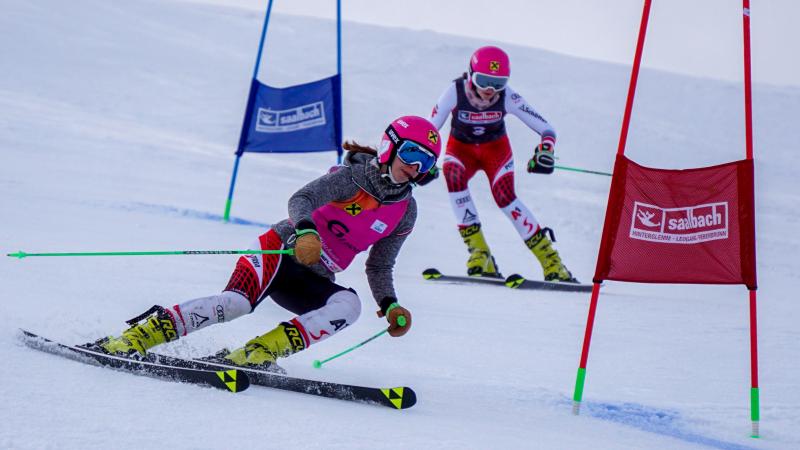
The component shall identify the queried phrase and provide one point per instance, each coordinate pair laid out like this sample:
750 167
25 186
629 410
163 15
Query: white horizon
705 42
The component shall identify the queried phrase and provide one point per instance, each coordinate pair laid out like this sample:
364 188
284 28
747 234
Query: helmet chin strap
388 176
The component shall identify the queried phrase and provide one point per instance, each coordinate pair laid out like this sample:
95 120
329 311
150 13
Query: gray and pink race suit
354 209
350 227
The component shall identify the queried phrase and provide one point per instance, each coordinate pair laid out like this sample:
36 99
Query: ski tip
514 280
233 380
400 397
30 338
431 274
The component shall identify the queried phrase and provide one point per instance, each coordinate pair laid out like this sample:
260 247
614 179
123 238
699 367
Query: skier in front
479 101
367 202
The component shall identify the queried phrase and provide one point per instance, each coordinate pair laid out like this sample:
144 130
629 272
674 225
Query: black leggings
298 289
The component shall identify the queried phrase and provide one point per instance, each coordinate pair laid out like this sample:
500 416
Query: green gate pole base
755 411
227 216
578 395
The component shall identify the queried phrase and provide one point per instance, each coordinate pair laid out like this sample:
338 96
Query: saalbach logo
482 117
293 119
684 225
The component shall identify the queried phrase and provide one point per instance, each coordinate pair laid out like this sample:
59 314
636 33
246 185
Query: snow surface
118 122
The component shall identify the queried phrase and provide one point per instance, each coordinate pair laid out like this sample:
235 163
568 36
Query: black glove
427 177
398 317
543 160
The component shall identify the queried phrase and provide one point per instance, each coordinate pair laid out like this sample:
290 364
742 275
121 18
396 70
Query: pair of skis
233 378
222 376
514 281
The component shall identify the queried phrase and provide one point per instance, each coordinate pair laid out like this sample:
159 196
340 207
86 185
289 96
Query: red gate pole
754 394
623 137
748 95
626 119
748 120
577 396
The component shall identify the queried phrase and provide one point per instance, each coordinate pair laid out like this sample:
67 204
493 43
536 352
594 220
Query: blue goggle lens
415 154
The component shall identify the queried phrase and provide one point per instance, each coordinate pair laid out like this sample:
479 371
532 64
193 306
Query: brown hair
354 147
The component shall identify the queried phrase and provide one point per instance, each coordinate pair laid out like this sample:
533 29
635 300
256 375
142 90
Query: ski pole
20 254
317 363
575 169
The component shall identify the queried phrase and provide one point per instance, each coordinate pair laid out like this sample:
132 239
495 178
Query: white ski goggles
483 81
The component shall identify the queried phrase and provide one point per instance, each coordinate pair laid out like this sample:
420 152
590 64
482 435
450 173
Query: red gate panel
679 226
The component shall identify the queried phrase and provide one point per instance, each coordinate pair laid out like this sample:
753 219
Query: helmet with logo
413 140
489 68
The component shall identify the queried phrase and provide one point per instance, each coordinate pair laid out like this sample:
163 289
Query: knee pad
347 304
341 310
503 190
454 175
254 273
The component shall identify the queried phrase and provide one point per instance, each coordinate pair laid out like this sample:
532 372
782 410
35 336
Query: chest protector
475 126
348 228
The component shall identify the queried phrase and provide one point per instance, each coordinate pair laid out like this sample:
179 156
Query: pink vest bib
350 227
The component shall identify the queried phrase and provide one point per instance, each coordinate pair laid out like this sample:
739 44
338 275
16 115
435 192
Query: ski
395 397
517 281
514 281
226 379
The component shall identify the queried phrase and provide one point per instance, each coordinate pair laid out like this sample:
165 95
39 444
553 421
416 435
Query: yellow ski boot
542 248
262 351
481 262
157 329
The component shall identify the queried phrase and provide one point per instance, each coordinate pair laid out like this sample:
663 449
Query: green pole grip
401 321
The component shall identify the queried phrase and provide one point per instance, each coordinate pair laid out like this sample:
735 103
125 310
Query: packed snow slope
118 122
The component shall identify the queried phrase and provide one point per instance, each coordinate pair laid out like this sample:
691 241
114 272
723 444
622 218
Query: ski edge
513 281
402 397
230 380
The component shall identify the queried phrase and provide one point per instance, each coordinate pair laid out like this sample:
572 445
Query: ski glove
307 246
543 160
427 177
398 317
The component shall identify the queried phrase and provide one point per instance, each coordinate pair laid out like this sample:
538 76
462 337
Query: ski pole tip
317 364
20 254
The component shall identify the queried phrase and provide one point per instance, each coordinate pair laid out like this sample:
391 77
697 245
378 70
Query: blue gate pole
247 114
339 150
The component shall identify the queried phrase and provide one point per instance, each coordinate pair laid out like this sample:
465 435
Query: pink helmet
414 140
490 60
489 68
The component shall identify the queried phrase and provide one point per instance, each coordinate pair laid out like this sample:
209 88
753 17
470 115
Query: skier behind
479 101
366 202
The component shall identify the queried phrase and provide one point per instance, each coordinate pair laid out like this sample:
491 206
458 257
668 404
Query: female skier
479 101
366 202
